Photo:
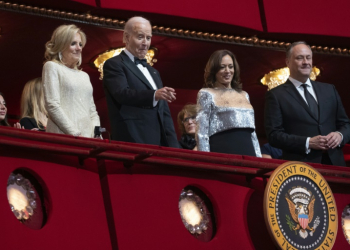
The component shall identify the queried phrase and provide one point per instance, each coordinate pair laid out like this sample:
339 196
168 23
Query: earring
80 60
60 56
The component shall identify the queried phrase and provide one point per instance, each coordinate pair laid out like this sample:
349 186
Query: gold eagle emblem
301 204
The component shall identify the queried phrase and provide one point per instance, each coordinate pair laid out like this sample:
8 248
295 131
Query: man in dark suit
136 99
306 119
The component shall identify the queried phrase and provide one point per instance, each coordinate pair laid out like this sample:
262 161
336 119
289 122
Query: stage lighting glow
100 60
190 211
345 221
280 76
193 212
21 196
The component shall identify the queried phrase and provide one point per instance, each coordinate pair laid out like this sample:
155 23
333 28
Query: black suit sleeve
169 127
274 126
122 91
28 123
342 122
167 119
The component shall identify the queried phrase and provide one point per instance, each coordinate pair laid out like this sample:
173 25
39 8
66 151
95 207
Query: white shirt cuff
154 99
307 150
341 138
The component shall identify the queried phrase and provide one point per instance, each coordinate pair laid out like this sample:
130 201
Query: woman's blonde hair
60 40
32 102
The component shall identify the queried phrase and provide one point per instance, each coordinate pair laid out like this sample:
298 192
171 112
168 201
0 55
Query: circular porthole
345 222
197 214
25 196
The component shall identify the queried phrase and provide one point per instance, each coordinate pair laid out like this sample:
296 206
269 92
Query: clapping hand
318 142
330 141
18 125
334 139
165 93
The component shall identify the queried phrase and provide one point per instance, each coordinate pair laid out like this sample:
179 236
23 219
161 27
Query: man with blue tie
304 118
136 99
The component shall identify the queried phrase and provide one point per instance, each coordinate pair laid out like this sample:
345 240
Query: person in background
269 152
67 89
3 114
33 111
186 120
3 111
225 120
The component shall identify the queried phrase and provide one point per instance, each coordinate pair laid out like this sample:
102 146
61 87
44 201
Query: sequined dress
69 101
226 112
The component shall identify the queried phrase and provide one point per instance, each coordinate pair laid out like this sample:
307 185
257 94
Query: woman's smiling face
3 108
225 74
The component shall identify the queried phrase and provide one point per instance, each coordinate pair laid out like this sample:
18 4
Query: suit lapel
134 69
289 86
318 93
155 76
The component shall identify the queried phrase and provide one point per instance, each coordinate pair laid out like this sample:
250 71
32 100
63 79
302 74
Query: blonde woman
33 111
67 89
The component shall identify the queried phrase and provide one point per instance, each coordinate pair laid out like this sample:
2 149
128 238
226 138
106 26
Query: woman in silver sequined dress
67 89
225 119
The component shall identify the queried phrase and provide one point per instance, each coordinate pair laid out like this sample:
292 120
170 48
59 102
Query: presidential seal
299 208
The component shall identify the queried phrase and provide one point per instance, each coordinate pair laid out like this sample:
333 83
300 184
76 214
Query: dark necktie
310 101
142 61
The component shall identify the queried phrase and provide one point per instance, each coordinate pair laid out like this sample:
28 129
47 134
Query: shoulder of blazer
282 87
152 70
116 59
321 87
123 56
321 84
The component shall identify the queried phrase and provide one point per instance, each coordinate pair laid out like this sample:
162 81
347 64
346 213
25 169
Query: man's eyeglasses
187 119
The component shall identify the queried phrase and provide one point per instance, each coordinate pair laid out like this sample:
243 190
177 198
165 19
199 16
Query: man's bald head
137 36
130 25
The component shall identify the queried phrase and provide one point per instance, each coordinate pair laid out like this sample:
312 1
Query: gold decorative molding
280 76
164 31
100 60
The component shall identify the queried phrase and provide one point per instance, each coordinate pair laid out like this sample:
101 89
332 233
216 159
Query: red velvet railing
117 195
149 154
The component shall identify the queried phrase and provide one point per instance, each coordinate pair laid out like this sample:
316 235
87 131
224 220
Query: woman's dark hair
213 66
4 122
